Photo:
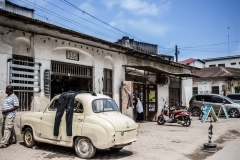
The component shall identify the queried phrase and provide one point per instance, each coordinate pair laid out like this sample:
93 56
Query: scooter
181 116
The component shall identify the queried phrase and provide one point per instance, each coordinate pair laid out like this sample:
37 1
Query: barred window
195 90
215 89
107 82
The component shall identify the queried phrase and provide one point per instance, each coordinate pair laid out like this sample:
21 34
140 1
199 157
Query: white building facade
228 61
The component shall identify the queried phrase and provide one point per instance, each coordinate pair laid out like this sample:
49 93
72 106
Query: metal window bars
25 76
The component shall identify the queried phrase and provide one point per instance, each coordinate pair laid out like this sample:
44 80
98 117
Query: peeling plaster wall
45 45
213 82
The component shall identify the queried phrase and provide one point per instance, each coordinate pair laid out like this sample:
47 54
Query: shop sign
223 109
209 110
72 55
152 96
151 107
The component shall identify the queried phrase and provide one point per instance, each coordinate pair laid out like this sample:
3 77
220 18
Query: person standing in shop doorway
134 104
139 108
10 105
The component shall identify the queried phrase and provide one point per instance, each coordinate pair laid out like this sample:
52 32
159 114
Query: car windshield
104 105
229 99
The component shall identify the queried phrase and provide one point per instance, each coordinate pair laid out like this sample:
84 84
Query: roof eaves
29 20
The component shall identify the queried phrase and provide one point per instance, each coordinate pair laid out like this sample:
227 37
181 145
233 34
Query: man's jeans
8 131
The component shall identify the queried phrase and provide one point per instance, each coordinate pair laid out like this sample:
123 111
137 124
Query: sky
200 28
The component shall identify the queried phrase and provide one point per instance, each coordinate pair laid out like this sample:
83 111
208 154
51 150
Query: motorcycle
171 115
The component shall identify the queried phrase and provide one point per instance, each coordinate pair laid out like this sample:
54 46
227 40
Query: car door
207 99
217 103
47 121
77 121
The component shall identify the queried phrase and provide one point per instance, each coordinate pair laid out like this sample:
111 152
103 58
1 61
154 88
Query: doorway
66 77
140 88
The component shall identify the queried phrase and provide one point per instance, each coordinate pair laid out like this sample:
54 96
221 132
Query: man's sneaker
3 146
15 142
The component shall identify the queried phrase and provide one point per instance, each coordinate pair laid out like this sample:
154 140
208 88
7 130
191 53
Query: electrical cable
72 5
81 17
211 44
68 20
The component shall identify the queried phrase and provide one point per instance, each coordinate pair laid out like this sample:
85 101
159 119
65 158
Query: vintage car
97 124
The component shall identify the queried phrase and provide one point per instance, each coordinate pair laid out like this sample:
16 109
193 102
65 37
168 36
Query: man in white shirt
10 105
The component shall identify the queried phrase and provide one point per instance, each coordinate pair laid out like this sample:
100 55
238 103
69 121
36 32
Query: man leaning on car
10 105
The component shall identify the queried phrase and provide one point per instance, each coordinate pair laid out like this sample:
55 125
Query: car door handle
80 120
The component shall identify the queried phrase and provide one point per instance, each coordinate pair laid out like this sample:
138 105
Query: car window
198 98
216 99
54 105
104 105
207 98
229 99
235 97
78 107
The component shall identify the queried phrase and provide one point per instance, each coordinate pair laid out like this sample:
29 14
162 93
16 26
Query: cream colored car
97 124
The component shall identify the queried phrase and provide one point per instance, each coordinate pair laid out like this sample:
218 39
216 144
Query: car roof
86 99
207 95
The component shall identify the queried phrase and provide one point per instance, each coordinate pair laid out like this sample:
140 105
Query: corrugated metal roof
214 72
221 58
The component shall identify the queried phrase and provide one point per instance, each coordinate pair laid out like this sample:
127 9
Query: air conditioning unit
162 79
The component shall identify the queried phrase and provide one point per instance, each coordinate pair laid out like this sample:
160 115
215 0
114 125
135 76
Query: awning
156 70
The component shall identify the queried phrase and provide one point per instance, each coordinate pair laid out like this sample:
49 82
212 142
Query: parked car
215 101
235 97
97 124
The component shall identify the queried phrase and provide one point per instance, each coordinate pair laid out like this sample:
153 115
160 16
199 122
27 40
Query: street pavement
160 142
229 152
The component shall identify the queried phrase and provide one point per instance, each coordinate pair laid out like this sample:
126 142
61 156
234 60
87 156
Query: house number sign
72 55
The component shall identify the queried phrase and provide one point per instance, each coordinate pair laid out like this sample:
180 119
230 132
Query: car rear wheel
196 111
234 113
28 138
84 148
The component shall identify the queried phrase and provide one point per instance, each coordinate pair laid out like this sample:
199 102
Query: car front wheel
84 148
233 113
196 111
28 138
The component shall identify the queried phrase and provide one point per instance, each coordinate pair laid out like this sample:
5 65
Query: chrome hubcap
28 138
195 112
83 147
233 113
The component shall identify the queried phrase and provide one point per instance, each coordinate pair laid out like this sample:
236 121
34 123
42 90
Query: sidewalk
231 151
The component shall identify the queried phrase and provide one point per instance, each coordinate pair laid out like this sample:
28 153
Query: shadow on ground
54 151
220 142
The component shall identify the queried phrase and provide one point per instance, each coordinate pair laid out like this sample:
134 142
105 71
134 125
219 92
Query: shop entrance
174 90
140 88
66 77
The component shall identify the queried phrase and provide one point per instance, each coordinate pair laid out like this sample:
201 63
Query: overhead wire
72 5
82 18
103 34
204 50
83 26
68 20
212 44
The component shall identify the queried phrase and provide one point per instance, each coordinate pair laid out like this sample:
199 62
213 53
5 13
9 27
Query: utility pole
228 40
176 53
